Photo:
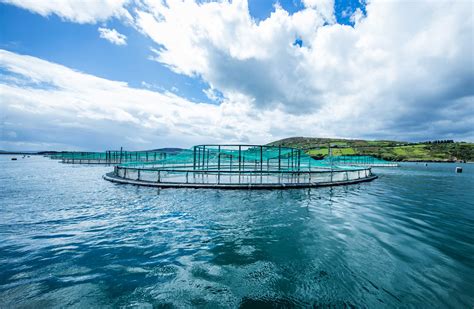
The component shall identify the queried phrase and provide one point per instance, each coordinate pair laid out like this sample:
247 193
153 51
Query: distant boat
14 159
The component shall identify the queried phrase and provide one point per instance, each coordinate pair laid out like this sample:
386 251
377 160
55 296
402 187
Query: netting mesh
230 157
208 156
221 165
112 156
357 160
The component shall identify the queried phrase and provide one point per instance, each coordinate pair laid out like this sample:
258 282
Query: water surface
69 238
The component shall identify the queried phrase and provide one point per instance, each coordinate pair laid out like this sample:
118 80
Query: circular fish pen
238 167
110 157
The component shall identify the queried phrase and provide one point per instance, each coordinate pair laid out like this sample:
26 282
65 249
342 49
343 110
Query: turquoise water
69 238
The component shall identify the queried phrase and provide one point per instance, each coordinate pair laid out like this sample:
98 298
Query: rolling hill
436 151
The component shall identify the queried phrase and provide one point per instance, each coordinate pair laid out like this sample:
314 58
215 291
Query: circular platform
113 178
238 167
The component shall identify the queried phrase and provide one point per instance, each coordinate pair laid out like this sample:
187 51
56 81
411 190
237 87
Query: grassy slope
388 150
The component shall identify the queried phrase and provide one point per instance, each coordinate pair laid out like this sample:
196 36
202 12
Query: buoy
426 164
458 169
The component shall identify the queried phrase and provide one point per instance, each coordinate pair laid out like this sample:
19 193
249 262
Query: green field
388 150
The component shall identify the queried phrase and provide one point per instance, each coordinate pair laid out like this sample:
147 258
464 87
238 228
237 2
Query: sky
146 74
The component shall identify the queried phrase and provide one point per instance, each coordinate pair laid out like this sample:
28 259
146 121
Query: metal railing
222 176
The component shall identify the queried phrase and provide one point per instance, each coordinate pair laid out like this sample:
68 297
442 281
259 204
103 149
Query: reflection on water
70 238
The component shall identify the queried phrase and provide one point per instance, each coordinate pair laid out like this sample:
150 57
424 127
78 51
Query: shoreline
394 161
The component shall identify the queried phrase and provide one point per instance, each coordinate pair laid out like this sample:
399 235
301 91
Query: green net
244 157
356 160
112 156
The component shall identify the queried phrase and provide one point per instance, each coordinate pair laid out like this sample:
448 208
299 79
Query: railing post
279 157
299 159
203 157
218 158
198 160
240 158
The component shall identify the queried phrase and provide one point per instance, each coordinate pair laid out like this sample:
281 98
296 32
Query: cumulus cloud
221 43
113 36
325 7
88 11
403 68
401 72
49 105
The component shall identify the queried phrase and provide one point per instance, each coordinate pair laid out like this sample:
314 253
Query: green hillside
388 150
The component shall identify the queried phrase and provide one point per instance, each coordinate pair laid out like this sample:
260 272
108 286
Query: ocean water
68 238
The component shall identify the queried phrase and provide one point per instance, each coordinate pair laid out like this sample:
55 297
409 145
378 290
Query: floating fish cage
238 167
110 156
360 161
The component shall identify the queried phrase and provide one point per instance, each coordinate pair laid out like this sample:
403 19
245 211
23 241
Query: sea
68 238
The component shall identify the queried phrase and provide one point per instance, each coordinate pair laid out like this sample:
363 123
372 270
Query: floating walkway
238 167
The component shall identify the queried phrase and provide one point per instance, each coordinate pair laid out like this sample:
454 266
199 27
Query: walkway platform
113 178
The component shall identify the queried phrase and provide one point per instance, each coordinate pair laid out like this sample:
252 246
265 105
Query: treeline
442 141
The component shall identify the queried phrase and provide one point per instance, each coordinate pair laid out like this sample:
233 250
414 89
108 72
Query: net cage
237 166
111 156
358 161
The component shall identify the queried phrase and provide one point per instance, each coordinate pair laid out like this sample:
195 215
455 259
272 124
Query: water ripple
68 238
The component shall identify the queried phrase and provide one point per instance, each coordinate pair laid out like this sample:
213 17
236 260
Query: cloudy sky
100 74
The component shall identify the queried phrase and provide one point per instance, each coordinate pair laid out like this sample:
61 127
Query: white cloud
402 72
55 105
325 7
221 43
87 11
403 68
212 94
113 36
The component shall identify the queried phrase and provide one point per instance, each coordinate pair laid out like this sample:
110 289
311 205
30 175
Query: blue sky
78 46
240 58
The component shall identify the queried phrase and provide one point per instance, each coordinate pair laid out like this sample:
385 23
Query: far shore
20 153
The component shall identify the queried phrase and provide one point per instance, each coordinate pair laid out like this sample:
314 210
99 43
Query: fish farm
233 167
360 161
111 156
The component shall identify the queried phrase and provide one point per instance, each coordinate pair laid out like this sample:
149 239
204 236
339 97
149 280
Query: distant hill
438 151
5 152
167 149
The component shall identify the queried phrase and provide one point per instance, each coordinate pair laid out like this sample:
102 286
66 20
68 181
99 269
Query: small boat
14 159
